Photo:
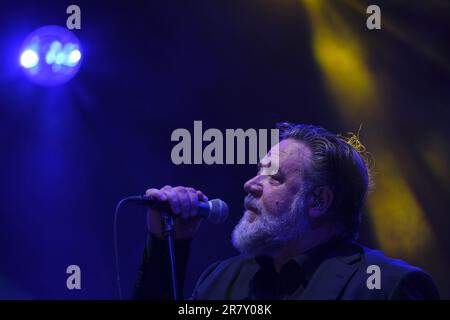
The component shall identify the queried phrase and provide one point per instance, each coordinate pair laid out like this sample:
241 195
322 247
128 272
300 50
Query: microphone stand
167 232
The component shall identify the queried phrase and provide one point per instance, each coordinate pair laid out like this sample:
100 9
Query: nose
254 187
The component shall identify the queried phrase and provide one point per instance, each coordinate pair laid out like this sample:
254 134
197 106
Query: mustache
250 203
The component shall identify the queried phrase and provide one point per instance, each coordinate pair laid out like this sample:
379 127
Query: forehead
291 154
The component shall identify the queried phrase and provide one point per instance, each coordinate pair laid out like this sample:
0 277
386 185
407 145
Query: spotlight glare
29 59
60 58
74 56
50 57
60 52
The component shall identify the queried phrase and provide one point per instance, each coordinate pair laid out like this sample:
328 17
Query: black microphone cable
116 246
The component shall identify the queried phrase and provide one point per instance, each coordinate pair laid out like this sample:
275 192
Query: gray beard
267 233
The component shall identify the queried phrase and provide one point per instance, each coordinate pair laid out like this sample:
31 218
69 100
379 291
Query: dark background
68 154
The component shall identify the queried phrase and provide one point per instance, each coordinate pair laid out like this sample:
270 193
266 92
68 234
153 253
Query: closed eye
275 179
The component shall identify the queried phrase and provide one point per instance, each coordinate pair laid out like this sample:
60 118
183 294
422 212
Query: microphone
215 210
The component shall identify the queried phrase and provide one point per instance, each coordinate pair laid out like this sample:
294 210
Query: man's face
274 206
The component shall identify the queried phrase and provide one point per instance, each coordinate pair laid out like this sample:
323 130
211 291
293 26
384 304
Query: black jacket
340 274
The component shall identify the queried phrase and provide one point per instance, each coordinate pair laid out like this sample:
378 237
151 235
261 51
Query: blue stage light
51 55
29 59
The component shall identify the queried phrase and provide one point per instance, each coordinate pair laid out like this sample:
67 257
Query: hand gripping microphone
215 211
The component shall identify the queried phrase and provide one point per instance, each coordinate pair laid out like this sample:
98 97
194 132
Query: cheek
275 203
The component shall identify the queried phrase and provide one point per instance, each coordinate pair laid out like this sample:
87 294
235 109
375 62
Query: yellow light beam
399 223
427 50
341 59
398 220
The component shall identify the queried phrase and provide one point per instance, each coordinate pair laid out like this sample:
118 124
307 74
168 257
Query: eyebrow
260 166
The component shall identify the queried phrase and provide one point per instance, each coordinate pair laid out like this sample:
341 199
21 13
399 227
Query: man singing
297 237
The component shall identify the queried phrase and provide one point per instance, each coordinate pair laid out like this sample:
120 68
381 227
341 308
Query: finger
173 200
201 196
193 198
184 200
159 195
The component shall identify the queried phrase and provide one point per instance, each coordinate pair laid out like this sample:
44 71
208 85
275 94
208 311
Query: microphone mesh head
218 212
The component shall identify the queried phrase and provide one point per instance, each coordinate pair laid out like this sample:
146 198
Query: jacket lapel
332 275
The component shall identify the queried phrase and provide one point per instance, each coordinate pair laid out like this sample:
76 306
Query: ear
319 201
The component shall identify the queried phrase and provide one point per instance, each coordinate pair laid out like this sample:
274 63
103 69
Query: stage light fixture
51 55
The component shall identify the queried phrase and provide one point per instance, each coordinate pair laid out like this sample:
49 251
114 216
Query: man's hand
184 203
